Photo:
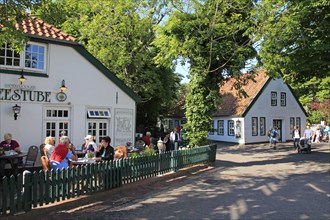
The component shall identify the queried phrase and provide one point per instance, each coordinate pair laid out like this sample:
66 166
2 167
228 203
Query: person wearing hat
90 145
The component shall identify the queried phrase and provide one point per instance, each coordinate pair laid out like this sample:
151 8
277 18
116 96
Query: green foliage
54 12
293 39
215 38
120 35
134 154
12 13
149 152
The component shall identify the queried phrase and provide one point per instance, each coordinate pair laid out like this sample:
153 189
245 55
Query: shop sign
14 92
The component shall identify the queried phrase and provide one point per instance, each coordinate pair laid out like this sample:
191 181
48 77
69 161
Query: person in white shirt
49 146
90 145
296 137
174 139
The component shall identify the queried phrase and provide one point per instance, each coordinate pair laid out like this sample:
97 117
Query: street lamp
22 79
16 110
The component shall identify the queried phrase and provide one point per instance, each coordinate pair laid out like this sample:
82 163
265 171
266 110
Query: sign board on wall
123 126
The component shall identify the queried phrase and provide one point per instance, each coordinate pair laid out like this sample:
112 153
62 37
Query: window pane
262 126
40 57
231 128
35 56
41 50
9 53
28 48
34 48
254 126
9 62
16 62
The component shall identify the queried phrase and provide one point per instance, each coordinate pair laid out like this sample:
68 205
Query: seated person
121 152
146 138
105 151
49 146
90 145
9 144
62 154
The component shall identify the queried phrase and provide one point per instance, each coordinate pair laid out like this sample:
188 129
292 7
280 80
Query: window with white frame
298 123
231 128
254 126
211 132
104 113
221 127
98 129
32 57
274 98
292 124
283 99
9 57
262 126
57 121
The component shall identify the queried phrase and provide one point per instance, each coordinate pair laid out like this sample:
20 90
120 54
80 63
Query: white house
238 119
269 103
66 89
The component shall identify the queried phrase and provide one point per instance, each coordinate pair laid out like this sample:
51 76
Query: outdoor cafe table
11 158
82 161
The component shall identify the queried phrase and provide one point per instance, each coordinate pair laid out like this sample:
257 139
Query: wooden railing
36 189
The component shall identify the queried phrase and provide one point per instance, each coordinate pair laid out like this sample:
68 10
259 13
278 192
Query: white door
57 122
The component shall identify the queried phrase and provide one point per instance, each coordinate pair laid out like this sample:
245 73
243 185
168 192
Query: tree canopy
142 40
214 37
119 34
12 13
294 40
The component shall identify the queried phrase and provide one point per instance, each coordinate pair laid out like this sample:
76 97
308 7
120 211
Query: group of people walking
172 140
273 135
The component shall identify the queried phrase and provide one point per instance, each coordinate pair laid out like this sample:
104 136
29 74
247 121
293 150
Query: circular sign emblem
61 96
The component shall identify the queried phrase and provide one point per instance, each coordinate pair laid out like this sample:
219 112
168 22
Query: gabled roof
232 102
235 104
34 26
41 31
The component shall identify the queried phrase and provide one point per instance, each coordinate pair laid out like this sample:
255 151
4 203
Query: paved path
247 182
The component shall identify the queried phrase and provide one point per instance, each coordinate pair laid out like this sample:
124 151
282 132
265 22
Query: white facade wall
239 138
262 108
88 88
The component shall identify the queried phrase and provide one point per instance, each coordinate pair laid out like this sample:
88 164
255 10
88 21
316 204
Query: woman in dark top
105 151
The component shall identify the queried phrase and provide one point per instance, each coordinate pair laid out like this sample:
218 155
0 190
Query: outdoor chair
31 156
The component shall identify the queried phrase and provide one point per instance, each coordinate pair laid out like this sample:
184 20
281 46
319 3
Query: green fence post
27 197
212 153
174 161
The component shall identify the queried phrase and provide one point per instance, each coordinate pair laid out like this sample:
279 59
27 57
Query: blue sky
183 70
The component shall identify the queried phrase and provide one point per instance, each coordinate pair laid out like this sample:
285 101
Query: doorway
278 124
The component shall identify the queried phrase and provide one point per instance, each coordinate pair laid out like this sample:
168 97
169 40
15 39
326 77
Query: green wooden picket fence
37 189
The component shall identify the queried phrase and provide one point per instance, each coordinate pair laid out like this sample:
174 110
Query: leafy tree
119 34
213 36
11 13
53 12
293 37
